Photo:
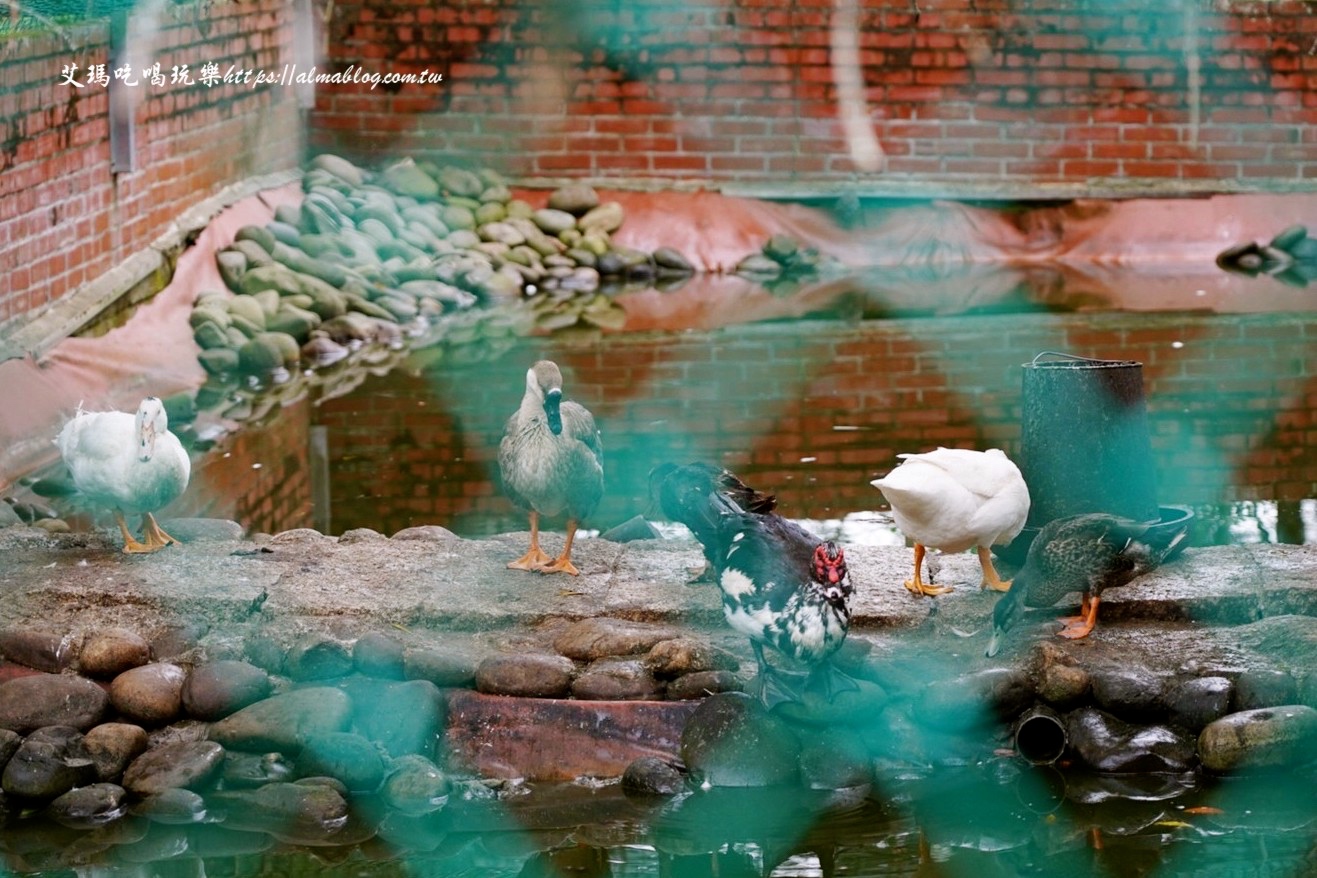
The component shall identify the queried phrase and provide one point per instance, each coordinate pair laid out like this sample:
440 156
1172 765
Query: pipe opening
1040 736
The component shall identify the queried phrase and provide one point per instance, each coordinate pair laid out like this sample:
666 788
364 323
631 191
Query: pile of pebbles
1291 256
370 256
785 261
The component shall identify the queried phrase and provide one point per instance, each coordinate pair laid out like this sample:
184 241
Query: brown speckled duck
550 461
1081 553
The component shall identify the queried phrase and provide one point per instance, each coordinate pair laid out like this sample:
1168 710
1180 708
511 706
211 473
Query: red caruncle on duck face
829 564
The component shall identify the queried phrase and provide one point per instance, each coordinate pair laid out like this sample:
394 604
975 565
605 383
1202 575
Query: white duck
132 464
955 498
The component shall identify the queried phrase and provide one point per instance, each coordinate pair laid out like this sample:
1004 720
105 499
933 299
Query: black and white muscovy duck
781 585
129 463
672 486
1085 553
551 463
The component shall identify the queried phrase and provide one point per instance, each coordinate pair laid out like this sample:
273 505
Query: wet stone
834 760
378 655
28 703
9 742
1197 702
1106 743
849 706
670 259
702 684
112 746
179 764
106 654
250 770
529 676
265 653
318 658
90 806
591 639
1268 738
175 640
442 667
286 808
42 650
1060 681
216 689
176 806
283 721
1133 694
151 695
686 655
416 786
402 718
344 756
974 700
614 679
1257 688
50 762
652 776
730 740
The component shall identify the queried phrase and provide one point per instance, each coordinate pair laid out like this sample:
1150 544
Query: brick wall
65 218
964 95
814 410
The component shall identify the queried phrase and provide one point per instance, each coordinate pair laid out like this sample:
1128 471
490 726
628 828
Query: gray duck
1085 553
550 462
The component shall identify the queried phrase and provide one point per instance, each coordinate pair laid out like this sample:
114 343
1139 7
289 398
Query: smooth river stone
151 695
216 689
1271 737
106 654
180 764
28 703
284 721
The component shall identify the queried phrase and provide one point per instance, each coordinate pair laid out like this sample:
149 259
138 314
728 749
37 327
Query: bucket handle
1071 357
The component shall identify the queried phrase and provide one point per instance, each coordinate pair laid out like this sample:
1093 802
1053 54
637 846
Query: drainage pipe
1040 735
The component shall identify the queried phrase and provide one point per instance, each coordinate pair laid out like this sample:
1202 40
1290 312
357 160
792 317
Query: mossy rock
211 337
259 234
362 305
249 309
285 232
461 182
268 300
260 355
405 178
520 209
400 306
293 321
218 361
237 338
270 277
553 222
607 217
319 268
457 217
498 193
328 303
490 212
232 266
339 167
247 327
210 314
289 350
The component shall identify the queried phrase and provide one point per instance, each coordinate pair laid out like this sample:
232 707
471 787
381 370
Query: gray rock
186 764
347 757
174 806
218 360
406 178
50 762
216 689
731 741
1269 738
1130 693
284 721
529 676
378 655
686 655
283 809
1060 681
259 234
90 806
318 658
8 517
339 167
28 703
9 742
834 760
197 530
652 776
580 280
460 219
600 637
461 182
614 679
112 746
702 684
781 248
442 667
1256 688
401 718
106 654
574 198
43 650
250 770
1197 702
429 532
151 695
416 786
553 222
758 265
504 233
1107 743
232 265
672 260
174 641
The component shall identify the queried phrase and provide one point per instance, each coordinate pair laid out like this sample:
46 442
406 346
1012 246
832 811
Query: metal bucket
1084 439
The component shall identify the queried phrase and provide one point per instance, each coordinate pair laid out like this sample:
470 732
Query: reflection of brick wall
998 93
1231 410
65 219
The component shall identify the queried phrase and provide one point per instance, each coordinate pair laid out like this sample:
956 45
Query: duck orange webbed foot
559 565
532 560
919 587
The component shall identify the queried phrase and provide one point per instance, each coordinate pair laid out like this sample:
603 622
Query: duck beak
552 400
994 643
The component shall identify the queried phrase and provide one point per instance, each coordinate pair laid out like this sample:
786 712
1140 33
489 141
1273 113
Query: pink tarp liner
984 255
